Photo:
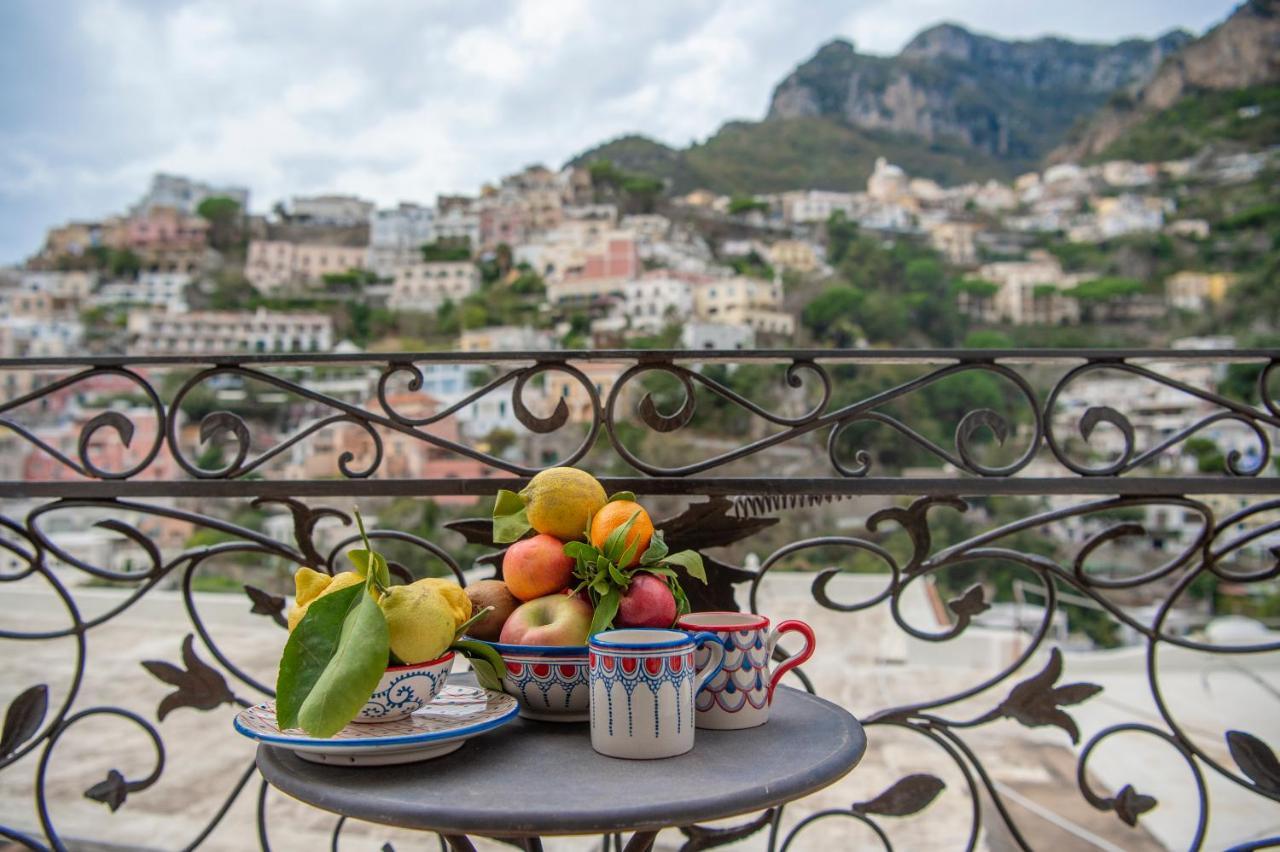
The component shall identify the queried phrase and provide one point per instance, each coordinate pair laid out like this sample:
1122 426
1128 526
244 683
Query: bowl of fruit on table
578 562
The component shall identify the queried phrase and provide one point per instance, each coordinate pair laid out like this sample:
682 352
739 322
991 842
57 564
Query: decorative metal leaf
474 530
907 796
709 524
1105 414
1130 804
23 718
914 519
701 837
971 603
1035 701
305 519
266 604
111 792
1256 760
201 686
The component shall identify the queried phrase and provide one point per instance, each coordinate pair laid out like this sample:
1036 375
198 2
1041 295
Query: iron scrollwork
1030 689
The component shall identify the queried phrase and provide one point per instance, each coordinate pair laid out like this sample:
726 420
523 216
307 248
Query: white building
73 287
888 183
167 290
185 194
815 205
336 210
710 335
457 222
449 383
656 300
425 286
40 337
506 338
396 236
209 332
1031 291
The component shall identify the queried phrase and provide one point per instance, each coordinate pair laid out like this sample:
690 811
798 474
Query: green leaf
616 544
659 571
657 550
308 650
485 662
619 579
627 496
363 559
606 609
580 550
509 519
682 600
352 673
691 562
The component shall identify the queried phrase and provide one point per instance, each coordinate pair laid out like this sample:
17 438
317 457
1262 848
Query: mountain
771 156
1010 99
1241 55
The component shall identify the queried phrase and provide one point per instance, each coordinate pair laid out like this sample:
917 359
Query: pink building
166 229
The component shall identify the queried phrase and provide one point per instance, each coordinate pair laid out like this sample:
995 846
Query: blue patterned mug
643 683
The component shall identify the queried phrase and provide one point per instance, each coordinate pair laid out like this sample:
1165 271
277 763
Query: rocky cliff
1011 99
1241 52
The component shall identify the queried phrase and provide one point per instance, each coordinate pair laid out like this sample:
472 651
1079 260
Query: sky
403 99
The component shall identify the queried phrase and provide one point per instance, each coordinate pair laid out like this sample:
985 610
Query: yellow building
793 254
1190 291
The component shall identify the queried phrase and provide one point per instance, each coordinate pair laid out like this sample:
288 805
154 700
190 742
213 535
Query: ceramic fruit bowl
550 681
404 689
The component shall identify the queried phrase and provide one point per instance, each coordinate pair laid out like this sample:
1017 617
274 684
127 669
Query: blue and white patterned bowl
549 681
405 689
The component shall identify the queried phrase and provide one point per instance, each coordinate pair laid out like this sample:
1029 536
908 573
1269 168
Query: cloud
401 100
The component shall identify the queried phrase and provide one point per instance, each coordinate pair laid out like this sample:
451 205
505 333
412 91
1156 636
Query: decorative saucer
457 714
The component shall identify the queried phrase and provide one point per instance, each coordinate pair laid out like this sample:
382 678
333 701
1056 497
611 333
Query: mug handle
714 664
791 662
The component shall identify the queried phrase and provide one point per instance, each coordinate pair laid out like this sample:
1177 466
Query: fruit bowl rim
448 655
543 650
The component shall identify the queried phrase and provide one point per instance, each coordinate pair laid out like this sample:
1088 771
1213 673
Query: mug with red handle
740 695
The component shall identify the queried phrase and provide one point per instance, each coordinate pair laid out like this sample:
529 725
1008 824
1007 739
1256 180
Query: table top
532 778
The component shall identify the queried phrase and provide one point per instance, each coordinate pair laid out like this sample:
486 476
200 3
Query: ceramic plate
457 714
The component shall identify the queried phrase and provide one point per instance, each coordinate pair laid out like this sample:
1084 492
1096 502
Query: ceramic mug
739 697
643 684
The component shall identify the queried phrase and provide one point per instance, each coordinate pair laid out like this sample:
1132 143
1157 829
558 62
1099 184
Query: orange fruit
616 514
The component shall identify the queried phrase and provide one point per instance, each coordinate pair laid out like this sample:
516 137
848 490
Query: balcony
1044 579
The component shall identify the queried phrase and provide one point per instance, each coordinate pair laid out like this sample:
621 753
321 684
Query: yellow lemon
453 593
337 583
420 621
308 583
560 501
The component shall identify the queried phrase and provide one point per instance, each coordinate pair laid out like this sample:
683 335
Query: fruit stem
476 617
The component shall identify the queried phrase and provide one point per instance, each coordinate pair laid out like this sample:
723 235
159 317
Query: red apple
647 602
550 620
536 566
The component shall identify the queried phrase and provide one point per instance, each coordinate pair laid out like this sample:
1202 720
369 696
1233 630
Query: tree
832 316
640 193
840 234
741 205
224 217
123 263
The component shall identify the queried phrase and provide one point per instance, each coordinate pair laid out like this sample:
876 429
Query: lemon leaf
351 675
308 650
627 496
691 562
510 521
485 662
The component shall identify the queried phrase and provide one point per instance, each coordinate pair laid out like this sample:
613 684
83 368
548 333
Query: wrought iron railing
1101 448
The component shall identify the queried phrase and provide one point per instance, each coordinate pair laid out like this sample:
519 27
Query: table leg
641 841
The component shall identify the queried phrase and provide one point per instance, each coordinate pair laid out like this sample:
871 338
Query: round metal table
528 779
